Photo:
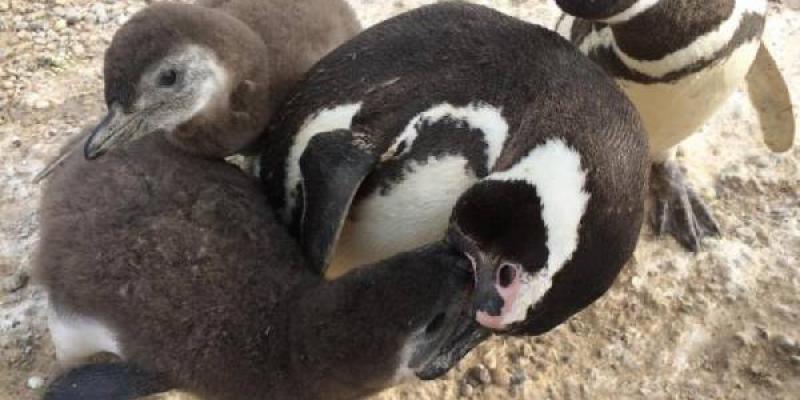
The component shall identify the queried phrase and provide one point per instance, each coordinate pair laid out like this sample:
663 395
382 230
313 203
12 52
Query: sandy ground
720 324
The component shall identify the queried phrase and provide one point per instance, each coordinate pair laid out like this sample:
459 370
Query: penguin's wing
770 97
333 166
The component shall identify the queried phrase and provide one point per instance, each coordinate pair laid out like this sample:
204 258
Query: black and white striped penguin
198 72
678 61
457 105
176 264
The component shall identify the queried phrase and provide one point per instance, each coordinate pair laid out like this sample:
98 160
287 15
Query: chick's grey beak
454 333
465 336
109 133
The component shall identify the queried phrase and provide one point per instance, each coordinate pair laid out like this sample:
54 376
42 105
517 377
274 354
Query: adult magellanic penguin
176 264
679 60
457 105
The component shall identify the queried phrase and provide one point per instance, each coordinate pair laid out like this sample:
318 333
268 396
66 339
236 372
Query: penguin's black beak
497 288
115 129
486 301
464 336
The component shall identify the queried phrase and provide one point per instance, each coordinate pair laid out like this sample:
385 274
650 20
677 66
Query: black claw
678 209
660 219
705 219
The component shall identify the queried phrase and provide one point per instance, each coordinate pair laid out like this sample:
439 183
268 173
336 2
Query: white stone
35 382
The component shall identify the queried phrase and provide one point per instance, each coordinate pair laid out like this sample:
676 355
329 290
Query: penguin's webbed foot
678 210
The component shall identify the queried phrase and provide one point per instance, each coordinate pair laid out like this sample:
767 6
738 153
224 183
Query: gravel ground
721 324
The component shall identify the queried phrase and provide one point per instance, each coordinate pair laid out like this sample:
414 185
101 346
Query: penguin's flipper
770 97
333 166
105 381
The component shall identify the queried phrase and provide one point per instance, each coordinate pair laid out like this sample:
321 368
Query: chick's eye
168 78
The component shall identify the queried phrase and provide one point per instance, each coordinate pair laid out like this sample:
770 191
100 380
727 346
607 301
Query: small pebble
41 104
480 374
78 49
14 282
518 377
100 14
745 339
466 390
501 377
35 382
786 343
72 16
36 26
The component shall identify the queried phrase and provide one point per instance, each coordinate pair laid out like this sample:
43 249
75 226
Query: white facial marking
76 337
554 169
704 46
211 86
205 80
635 9
481 116
326 120
564 26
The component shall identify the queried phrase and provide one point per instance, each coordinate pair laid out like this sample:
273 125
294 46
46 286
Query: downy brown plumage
176 264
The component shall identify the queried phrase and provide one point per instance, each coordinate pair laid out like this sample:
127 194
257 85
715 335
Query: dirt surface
720 324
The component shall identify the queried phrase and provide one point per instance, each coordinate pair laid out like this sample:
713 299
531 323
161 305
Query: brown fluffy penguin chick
174 263
211 74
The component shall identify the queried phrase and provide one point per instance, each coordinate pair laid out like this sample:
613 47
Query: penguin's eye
168 78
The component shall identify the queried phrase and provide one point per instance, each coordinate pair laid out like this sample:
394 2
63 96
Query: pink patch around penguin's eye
507 284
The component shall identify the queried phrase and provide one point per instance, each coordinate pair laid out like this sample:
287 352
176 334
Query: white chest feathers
413 212
673 111
77 337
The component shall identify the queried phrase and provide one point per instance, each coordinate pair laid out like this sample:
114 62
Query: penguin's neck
332 339
306 349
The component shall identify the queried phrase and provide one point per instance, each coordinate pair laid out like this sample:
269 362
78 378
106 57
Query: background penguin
176 264
200 71
678 61
458 103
